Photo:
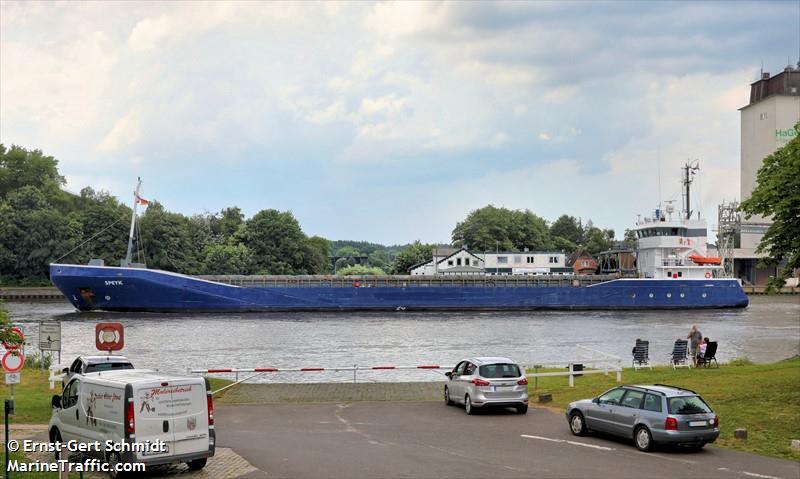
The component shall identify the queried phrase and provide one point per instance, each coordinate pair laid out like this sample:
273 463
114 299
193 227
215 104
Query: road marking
762 476
602 448
583 444
542 438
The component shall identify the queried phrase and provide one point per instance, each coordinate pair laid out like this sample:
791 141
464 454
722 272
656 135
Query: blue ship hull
135 289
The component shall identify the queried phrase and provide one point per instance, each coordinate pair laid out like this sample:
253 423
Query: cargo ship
673 271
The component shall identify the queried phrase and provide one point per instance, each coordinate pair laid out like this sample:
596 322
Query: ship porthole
704 295
651 295
669 295
683 295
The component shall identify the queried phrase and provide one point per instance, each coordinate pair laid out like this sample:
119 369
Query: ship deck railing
330 281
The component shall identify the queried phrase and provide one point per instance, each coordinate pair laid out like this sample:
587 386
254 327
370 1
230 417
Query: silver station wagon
487 382
656 414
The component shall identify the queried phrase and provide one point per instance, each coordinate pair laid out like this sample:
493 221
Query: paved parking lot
429 439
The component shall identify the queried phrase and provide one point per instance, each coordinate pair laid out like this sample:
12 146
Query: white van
136 416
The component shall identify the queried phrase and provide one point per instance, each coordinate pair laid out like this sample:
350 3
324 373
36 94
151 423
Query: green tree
596 240
360 270
415 253
277 242
630 238
35 234
227 259
492 228
567 227
20 167
777 196
318 255
167 241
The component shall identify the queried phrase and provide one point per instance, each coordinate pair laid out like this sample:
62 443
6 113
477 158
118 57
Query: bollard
740 433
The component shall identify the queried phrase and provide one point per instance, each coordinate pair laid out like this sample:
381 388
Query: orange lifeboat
704 260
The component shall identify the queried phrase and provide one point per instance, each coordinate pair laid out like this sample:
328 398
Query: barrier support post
619 371
571 376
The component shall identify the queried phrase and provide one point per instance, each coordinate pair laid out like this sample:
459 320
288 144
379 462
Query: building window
502 260
553 259
449 262
466 261
458 261
764 115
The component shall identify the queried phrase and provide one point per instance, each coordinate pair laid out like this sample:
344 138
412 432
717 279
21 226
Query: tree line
41 223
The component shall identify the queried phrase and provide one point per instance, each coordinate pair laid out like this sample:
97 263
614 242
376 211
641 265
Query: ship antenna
128 256
658 160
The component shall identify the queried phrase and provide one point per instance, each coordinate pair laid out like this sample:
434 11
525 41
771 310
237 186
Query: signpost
50 338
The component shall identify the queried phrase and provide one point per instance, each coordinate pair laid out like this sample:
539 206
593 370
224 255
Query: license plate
698 423
156 452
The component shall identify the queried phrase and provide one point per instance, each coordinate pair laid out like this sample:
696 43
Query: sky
390 122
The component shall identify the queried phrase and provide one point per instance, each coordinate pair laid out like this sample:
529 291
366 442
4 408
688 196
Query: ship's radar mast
689 170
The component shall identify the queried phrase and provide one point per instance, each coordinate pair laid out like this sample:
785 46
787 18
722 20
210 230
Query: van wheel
447 399
113 459
468 405
197 464
643 439
55 437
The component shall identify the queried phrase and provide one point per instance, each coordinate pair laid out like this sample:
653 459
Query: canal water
767 330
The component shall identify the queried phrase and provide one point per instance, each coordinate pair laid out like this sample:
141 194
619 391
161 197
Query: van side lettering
114 283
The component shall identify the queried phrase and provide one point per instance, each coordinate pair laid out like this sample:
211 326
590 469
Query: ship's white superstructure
673 246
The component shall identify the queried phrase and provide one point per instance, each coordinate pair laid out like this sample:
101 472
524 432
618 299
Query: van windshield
688 405
93 368
499 371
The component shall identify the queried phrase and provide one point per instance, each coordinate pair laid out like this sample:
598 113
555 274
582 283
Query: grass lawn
763 398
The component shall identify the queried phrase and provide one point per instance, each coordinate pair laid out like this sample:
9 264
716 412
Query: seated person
701 351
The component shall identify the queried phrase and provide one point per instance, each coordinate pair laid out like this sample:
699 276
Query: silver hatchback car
647 414
487 382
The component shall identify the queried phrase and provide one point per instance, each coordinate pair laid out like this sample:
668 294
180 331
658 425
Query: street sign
109 336
15 330
50 336
13 361
13 378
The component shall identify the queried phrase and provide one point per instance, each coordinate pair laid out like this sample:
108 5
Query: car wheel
468 405
197 464
643 439
576 424
447 399
113 459
55 437
522 409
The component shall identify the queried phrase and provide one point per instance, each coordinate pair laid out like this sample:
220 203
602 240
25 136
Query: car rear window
499 371
93 368
687 405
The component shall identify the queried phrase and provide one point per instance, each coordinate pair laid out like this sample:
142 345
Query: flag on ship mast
141 200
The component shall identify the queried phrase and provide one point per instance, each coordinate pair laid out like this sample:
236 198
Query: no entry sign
14 331
13 361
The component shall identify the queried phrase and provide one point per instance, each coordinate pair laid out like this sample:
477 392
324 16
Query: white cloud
124 134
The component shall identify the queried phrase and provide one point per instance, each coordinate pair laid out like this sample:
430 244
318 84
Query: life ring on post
708 274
